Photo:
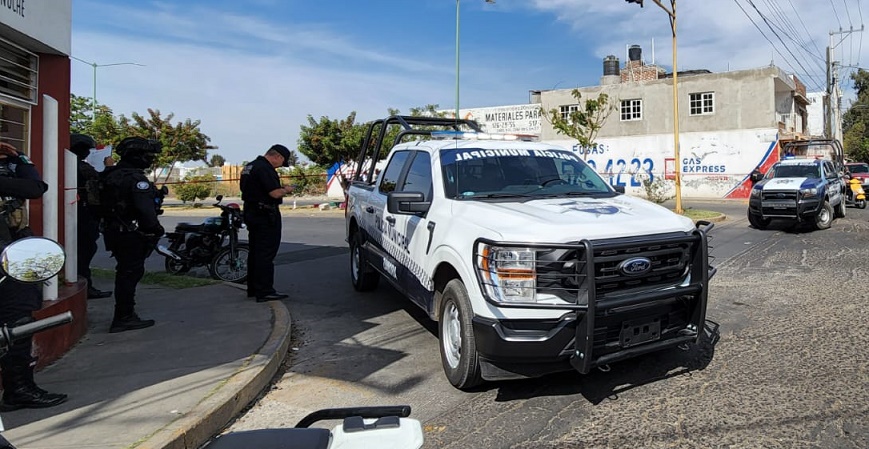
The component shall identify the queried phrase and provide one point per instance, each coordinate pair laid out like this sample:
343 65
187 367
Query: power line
836 13
767 22
744 11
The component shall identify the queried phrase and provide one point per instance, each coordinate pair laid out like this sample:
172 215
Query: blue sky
253 70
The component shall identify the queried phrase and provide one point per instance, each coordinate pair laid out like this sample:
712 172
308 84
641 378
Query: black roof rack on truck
411 125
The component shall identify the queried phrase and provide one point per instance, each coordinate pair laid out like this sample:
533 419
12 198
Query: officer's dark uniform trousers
130 249
264 237
19 302
88 234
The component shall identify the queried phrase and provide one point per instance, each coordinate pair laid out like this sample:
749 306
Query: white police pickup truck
798 190
530 262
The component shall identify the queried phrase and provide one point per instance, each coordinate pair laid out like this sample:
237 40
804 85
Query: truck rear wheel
824 219
757 221
364 277
458 348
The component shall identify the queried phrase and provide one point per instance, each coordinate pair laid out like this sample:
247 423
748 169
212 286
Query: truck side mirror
620 189
407 203
756 176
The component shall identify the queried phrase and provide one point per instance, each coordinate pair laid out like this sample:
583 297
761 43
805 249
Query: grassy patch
700 214
164 279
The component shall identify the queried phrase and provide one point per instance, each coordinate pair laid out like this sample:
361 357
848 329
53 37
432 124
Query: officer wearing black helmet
262 193
131 229
88 222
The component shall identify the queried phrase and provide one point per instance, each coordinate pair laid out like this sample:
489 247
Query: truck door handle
391 220
369 209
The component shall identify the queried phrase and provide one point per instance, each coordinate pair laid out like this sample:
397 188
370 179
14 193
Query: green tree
80 114
216 161
584 122
328 141
195 187
855 121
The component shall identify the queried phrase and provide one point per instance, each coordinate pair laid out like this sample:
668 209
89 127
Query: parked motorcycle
213 244
30 260
854 194
362 427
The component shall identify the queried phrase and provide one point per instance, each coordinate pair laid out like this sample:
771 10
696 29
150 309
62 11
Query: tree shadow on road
620 377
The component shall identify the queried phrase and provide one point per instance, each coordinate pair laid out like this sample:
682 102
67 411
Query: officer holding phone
262 193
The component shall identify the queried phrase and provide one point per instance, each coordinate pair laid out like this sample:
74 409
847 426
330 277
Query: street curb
232 396
718 219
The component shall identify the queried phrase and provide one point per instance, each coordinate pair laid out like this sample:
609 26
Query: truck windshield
473 173
796 171
858 168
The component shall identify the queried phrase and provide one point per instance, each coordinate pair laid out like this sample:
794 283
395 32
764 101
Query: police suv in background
798 190
530 262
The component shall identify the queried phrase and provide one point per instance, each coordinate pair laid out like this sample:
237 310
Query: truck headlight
809 193
507 274
755 193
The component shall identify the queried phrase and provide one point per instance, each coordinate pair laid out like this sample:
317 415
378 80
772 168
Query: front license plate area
639 332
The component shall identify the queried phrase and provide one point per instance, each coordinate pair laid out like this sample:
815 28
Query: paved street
784 364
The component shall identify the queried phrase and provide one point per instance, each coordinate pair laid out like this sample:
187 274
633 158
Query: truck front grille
562 272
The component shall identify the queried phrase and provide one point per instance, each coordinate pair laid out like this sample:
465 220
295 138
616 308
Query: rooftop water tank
610 65
635 53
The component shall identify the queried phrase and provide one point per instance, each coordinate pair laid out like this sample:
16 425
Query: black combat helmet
81 144
139 151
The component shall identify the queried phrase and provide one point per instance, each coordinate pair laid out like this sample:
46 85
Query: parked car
859 170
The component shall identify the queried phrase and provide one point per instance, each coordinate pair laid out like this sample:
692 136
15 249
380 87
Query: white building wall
714 164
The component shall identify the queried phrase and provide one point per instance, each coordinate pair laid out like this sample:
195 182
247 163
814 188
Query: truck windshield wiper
498 195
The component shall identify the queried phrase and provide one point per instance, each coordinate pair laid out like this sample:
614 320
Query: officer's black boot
20 391
94 293
128 322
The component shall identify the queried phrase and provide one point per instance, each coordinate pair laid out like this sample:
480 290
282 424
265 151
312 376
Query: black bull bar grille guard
592 272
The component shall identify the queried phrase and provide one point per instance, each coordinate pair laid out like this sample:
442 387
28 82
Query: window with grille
632 110
18 72
567 109
702 103
13 126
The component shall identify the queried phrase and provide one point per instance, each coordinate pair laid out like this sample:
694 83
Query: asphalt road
784 363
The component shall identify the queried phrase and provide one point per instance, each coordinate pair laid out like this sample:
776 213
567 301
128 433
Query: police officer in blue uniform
19 180
131 229
262 193
88 229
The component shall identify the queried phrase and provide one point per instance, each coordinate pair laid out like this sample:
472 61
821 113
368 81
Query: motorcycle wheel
175 267
861 204
222 269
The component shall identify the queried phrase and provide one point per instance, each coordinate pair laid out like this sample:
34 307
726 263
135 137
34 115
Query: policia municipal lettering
19 181
262 193
129 206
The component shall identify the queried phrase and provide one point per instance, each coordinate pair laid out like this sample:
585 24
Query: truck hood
789 183
571 219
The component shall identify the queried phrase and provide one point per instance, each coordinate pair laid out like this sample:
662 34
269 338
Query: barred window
567 109
702 103
18 72
632 110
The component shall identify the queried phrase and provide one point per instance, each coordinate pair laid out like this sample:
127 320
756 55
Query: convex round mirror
32 259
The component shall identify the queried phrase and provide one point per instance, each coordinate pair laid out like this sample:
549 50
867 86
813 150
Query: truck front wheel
364 277
458 348
825 217
758 222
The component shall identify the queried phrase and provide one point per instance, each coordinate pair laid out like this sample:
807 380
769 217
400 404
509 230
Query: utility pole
833 103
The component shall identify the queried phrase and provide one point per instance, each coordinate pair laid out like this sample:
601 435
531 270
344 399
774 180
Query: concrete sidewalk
173 385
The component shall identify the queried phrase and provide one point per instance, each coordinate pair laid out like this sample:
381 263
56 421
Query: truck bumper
611 328
787 209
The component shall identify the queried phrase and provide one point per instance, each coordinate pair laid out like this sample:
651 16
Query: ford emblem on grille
635 266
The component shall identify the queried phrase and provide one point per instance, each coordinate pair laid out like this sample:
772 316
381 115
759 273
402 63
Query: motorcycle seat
189 227
292 438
